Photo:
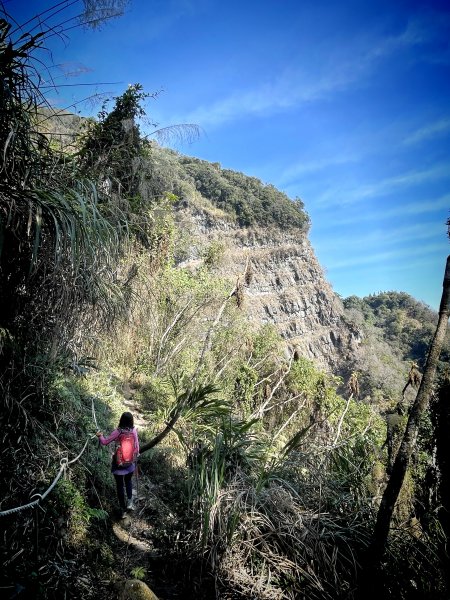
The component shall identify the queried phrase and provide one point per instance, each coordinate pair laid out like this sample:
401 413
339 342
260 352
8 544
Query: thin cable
84 448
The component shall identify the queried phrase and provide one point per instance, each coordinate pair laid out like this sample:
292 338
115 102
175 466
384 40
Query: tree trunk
158 438
407 446
442 429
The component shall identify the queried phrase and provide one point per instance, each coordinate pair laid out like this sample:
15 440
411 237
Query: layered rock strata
287 288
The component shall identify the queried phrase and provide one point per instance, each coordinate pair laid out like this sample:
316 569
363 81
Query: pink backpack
126 451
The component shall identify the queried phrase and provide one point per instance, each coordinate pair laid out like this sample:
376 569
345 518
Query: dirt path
128 393
134 549
135 534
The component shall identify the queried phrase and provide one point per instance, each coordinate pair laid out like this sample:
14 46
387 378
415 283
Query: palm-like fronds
59 241
266 544
192 401
182 133
223 446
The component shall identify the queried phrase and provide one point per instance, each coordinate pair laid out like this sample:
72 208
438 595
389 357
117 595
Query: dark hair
126 421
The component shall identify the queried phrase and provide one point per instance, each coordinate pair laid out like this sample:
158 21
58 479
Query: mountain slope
230 225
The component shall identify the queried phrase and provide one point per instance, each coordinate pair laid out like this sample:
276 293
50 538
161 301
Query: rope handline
70 462
47 431
93 414
64 463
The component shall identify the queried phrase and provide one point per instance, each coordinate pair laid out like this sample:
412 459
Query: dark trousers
120 481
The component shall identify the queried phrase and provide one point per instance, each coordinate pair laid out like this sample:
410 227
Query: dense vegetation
396 331
401 320
266 481
238 197
246 198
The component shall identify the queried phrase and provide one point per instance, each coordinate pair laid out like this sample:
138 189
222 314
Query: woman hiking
124 458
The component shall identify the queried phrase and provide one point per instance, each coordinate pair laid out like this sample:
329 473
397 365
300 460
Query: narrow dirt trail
128 393
134 548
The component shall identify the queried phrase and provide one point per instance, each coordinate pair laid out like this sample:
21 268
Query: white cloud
328 74
290 89
404 180
384 187
429 131
302 168
361 240
383 257
421 207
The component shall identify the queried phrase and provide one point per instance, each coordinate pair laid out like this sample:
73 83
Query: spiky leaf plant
61 235
59 251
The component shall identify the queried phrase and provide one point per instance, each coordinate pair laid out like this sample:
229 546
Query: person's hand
99 433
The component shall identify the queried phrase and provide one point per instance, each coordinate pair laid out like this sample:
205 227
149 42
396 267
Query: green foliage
155 395
396 330
246 378
196 402
304 377
112 147
247 198
61 239
138 573
265 342
71 501
407 324
168 324
222 448
279 481
213 254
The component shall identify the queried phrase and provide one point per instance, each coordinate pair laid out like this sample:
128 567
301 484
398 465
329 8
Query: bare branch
341 420
260 411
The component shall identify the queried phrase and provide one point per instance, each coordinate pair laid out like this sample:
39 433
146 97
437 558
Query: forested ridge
260 475
407 324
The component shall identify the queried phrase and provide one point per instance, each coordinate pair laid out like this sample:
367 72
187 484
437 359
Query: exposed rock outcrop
288 287
134 589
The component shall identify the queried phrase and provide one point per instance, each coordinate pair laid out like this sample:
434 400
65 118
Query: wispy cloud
381 237
422 207
328 74
384 187
284 92
301 168
387 258
428 132
404 180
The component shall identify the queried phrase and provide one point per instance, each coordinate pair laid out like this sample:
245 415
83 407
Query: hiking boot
130 505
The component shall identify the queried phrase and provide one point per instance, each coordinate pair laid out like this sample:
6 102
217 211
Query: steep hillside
224 218
287 288
136 279
196 292
244 220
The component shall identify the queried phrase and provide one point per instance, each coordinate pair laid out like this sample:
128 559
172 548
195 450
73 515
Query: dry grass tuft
264 543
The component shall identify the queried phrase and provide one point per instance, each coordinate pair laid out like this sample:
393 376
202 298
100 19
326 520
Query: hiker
124 458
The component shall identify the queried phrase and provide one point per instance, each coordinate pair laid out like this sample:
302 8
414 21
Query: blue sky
343 104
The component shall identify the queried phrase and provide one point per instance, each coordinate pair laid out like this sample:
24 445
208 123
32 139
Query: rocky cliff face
287 288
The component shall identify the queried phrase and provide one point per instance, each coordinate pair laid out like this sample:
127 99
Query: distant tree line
404 322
